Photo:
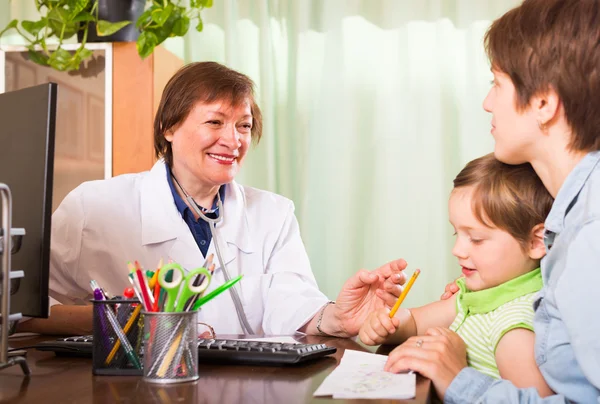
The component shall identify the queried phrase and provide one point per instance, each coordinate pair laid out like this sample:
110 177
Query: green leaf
37 57
84 53
146 43
57 17
161 33
145 17
60 55
181 26
77 6
58 14
105 28
161 16
58 65
10 25
77 58
200 25
84 16
71 29
201 3
34 27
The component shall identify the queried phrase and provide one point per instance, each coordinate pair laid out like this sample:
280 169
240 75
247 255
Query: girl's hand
378 327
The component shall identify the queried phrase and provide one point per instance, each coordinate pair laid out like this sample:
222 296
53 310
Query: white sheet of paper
361 375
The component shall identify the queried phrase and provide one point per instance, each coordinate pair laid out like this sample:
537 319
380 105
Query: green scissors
181 286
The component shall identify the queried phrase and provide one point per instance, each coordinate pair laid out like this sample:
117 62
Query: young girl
497 211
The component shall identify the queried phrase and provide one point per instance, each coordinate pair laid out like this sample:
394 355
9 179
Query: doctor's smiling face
210 145
205 122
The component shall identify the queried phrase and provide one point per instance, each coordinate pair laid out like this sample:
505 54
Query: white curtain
371 108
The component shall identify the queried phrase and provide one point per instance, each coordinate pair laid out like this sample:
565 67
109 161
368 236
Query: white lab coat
101 225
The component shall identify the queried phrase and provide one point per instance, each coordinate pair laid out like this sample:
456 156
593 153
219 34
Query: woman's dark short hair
204 82
555 44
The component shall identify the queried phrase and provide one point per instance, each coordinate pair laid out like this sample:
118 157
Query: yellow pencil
128 325
152 281
164 366
412 280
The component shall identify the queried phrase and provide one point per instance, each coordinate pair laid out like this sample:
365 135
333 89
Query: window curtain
370 110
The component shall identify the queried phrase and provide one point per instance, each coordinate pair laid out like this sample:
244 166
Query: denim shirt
567 309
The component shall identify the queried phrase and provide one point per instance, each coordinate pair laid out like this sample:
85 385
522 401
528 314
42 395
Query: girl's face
515 132
488 256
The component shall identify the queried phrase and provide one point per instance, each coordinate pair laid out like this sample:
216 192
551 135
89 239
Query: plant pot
115 11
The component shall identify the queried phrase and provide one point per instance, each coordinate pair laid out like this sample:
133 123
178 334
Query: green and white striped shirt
483 317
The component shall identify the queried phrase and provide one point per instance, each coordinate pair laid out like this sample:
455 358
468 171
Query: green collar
484 301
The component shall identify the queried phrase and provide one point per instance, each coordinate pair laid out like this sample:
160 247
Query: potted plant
147 22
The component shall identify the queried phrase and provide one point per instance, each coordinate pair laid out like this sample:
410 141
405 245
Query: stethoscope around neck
212 225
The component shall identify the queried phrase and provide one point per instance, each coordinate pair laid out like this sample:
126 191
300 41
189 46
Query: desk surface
70 380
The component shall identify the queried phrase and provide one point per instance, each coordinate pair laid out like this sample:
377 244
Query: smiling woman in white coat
189 206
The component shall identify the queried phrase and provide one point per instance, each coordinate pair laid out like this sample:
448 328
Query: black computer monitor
27 126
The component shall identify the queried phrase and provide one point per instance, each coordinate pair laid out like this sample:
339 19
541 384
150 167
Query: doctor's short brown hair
204 82
553 44
509 197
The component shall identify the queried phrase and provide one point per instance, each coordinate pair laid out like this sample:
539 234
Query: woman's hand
366 292
439 355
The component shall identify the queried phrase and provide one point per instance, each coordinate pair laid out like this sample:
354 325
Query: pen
123 338
130 322
412 280
215 292
95 286
98 295
135 285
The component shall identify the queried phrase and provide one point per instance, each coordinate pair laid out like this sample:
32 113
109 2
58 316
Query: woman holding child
497 211
545 105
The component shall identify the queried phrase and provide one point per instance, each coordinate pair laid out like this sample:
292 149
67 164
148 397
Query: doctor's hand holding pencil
382 324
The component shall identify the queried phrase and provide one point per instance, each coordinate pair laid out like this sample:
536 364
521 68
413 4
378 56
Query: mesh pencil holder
170 347
118 326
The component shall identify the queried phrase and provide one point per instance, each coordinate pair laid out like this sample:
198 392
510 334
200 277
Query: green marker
216 292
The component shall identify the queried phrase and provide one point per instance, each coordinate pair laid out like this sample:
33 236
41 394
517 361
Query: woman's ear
546 106
537 248
169 135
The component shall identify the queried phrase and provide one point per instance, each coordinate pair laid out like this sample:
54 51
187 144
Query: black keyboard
213 350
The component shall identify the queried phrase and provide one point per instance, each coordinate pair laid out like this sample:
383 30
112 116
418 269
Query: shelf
16 236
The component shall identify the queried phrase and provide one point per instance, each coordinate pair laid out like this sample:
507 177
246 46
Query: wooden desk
58 379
